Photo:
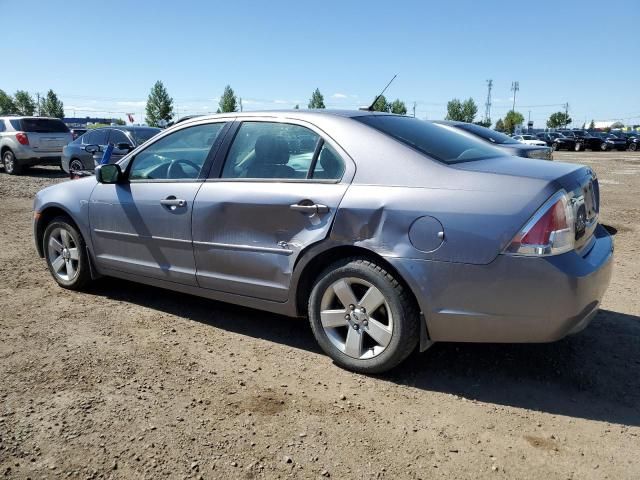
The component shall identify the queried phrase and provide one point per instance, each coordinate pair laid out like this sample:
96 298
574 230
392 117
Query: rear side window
43 125
271 150
2 127
15 123
440 142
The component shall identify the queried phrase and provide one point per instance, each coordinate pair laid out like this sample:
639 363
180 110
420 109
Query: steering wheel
176 171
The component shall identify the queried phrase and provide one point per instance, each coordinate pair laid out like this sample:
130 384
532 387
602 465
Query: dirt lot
128 381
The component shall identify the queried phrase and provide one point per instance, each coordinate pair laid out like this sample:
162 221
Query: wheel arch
44 218
315 260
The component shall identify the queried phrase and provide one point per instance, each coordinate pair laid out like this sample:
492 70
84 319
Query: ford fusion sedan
387 232
85 152
508 144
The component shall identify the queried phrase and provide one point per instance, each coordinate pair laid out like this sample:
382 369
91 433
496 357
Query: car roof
291 113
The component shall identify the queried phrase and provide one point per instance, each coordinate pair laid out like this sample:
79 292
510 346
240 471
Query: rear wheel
75 165
633 147
555 146
604 147
66 254
578 147
11 164
362 317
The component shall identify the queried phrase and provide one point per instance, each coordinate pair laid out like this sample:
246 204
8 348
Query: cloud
338 95
140 103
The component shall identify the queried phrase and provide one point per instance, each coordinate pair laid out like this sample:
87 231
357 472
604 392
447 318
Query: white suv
27 141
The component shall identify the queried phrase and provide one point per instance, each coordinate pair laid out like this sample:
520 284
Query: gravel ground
128 381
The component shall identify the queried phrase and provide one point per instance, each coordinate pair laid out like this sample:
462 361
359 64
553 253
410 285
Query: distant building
84 121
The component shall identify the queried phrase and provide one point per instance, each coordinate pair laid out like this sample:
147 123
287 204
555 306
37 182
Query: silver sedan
387 232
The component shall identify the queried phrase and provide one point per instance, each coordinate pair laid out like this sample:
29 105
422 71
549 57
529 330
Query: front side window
178 156
271 150
118 136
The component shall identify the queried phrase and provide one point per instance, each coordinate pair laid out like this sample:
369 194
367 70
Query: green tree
461 111
398 106
119 121
228 101
511 120
592 125
297 107
51 106
159 105
24 103
317 100
381 105
617 125
6 103
484 123
499 126
558 119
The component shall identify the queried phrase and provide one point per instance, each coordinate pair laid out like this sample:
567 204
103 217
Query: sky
102 58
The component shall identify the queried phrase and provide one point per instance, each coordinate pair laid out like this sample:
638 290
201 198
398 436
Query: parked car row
29 141
579 140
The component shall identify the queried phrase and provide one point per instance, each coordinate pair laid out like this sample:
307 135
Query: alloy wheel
356 318
76 165
64 255
9 163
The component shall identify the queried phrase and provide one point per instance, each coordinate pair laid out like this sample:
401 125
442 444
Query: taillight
550 231
22 138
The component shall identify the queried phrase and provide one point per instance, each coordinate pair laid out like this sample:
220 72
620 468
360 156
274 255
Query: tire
66 254
555 146
75 164
11 164
578 147
604 147
363 343
633 147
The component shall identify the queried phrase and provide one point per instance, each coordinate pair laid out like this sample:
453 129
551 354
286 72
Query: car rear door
142 225
275 194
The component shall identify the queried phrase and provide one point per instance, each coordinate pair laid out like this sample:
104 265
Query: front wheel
578 147
633 147
66 254
604 147
555 146
362 316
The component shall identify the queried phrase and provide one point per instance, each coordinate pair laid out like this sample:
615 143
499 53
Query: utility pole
515 86
38 103
487 106
240 101
566 114
414 109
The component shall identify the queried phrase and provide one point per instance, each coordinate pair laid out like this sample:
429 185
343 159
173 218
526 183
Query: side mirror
125 146
108 173
92 149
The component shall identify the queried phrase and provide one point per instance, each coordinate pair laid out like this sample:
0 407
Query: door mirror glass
109 173
92 149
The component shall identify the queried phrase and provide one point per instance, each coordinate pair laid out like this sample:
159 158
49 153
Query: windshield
440 142
529 137
141 135
43 125
486 133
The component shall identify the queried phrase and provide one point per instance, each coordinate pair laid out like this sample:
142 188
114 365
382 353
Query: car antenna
370 107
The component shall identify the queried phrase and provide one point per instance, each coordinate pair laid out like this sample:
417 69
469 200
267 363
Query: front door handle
312 208
173 202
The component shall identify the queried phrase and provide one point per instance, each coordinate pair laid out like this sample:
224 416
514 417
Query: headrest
271 150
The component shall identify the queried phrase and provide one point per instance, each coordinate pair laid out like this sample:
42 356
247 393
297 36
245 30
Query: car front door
276 194
142 225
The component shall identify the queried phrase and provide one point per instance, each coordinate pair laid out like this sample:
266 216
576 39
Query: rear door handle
173 202
313 208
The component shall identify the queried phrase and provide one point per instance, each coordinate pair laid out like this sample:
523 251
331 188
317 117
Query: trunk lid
579 181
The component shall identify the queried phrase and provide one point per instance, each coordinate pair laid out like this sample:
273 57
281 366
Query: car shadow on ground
42 172
594 374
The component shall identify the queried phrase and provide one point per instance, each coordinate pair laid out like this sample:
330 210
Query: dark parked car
557 141
611 142
85 152
504 142
76 132
584 140
387 232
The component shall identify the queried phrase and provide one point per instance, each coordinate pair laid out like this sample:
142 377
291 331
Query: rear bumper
26 155
512 299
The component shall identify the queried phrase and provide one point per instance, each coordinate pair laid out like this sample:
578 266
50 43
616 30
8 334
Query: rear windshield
43 125
486 133
440 142
143 134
